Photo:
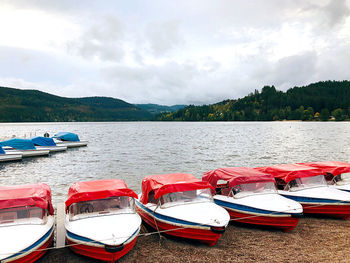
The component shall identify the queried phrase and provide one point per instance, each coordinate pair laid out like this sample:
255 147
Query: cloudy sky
172 52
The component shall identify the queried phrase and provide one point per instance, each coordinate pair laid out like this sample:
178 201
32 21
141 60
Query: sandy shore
313 240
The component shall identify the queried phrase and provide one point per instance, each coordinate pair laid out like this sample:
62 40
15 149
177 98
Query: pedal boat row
101 221
16 148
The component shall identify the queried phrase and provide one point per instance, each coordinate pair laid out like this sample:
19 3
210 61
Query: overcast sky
172 51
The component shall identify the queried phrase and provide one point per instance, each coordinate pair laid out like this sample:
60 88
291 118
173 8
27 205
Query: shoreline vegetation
321 101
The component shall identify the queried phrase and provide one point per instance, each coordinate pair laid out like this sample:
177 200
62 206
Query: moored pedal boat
69 139
181 205
47 144
24 146
9 156
338 173
251 197
101 221
26 222
307 186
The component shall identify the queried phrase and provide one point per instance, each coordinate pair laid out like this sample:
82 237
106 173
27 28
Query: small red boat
26 222
101 221
307 185
251 197
181 205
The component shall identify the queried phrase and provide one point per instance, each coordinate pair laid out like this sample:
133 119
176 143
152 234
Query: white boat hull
322 200
59 148
103 237
72 144
262 209
28 153
204 222
25 242
7 157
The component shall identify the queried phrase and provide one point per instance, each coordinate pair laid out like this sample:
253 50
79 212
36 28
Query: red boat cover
170 183
334 167
236 176
26 195
100 189
289 172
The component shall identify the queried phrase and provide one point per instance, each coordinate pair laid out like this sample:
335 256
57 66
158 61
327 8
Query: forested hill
156 109
31 105
319 101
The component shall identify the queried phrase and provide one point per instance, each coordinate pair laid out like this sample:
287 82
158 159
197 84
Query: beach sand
313 240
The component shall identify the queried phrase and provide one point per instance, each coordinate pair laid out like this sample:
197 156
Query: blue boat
24 146
69 139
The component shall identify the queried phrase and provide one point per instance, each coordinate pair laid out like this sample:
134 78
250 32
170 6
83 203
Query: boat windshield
28 215
186 197
108 206
243 190
306 182
342 179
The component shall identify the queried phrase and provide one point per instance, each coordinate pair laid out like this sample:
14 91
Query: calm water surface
132 150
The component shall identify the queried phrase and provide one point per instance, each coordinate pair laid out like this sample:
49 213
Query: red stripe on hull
99 252
338 211
202 235
35 255
285 223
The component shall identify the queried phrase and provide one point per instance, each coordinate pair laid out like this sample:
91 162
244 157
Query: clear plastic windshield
306 182
242 190
186 197
342 179
23 215
109 206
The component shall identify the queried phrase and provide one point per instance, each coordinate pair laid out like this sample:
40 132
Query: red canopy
169 183
236 176
289 172
100 189
334 167
26 195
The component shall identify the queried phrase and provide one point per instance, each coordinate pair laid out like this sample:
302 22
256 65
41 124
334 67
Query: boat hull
10 157
31 153
285 223
199 233
98 251
72 144
337 211
34 253
53 149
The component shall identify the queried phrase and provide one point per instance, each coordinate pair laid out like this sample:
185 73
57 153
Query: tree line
321 101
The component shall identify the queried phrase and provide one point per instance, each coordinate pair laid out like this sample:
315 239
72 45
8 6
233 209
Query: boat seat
8 216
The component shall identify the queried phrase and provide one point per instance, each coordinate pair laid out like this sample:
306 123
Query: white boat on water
9 156
307 185
26 222
101 221
181 205
46 143
69 139
251 197
338 173
25 146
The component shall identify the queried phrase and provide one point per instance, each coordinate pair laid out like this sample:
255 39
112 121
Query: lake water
132 150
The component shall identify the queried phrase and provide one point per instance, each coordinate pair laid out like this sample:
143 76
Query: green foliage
32 105
298 103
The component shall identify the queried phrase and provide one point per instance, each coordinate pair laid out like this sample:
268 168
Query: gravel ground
313 240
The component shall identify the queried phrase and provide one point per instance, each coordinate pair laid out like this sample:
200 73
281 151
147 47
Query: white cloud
169 52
